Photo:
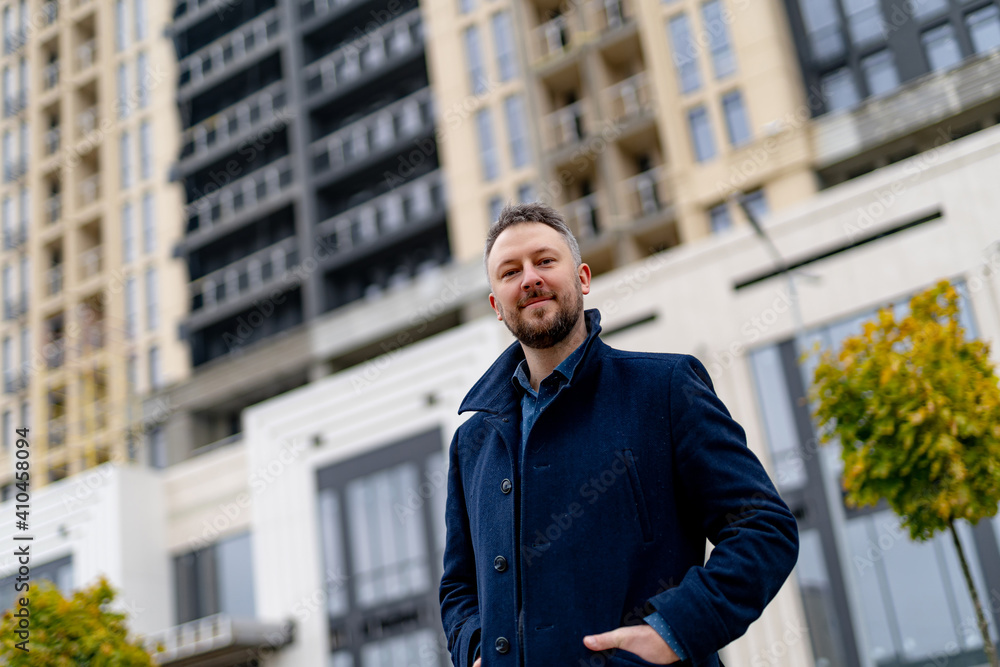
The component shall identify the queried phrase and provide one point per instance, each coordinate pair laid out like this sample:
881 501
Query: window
839 90
148 224
8 361
736 118
880 73
684 53
8 89
216 579
155 376
526 193
516 130
984 28
701 134
474 57
152 305
128 233
496 204
123 105
140 20
7 215
130 307
145 150
121 25
925 8
723 59
25 416
157 448
864 17
503 42
25 198
8 155
466 6
719 218
24 142
125 155
142 80
487 148
8 429
941 47
25 279
25 350
822 22
757 203
23 78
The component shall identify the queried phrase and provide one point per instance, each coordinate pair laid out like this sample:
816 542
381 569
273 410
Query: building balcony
90 262
50 75
238 45
234 122
14 308
374 52
55 352
14 104
552 39
605 16
57 431
253 190
629 99
582 216
86 120
390 214
89 189
50 12
216 640
53 140
396 123
244 276
54 280
567 126
53 208
86 55
92 337
310 9
647 196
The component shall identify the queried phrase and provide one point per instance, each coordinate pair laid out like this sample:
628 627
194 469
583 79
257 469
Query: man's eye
547 260
507 274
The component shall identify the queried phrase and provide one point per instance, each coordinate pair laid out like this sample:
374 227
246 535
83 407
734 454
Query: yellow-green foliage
917 409
71 632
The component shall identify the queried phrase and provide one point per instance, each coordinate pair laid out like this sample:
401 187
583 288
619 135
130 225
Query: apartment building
88 218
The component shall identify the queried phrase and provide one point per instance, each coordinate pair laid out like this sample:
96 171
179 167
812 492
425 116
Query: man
582 490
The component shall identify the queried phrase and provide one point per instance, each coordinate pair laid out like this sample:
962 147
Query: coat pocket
638 497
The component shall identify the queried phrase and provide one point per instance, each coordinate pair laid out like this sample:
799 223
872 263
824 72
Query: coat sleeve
458 592
731 500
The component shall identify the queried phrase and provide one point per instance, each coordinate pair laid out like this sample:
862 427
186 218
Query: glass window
25 198
487 147
121 25
23 77
157 447
331 531
25 278
526 193
776 410
128 233
466 6
155 375
865 20
839 90
8 429
7 213
125 157
941 47
736 118
496 204
140 20
234 567
148 223
25 416
474 58
880 72
925 8
142 80
684 53
823 26
152 305
984 28
723 59
701 134
719 219
503 42
130 307
517 132
24 142
123 105
145 150
8 85
757 203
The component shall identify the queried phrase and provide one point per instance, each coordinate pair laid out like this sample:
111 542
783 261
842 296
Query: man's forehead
533 237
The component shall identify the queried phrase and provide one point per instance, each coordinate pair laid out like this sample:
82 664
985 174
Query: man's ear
493 305
583 271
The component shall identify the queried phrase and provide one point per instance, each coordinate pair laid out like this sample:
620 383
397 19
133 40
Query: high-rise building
88 219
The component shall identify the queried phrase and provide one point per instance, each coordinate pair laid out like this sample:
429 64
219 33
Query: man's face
537 290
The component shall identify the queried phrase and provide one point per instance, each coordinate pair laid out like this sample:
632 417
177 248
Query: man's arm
458 593
732 501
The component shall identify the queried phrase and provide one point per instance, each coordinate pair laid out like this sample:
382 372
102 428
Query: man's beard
533 332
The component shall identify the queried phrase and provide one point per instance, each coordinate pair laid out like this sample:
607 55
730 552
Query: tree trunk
984 628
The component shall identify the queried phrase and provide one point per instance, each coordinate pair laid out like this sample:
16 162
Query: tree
64 632
916 408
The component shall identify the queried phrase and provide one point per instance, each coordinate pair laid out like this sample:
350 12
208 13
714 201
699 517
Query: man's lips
536 301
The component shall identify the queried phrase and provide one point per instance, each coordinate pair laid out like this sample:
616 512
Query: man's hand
478 663
642 640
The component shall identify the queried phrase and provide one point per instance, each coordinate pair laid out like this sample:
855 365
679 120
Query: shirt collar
566 367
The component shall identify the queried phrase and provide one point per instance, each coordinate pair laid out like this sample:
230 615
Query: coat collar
494 392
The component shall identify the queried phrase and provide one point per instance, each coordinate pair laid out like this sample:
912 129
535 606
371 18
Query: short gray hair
516 214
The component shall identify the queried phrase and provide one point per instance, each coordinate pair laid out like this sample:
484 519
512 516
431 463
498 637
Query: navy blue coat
631 467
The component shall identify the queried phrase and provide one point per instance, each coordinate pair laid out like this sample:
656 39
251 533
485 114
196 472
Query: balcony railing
311 8
86 53
53 208
366 222
53 139
230 48
86 120
245 275
253 189
90 262
50 75
57 431
54 280
646 193
605 15
218 634
629 98
90 189
582 217
396 122
13 41
13 308
567 125
14 104
54 352
14 238
396 39
15 383
552 37
50 12
234 120
15 169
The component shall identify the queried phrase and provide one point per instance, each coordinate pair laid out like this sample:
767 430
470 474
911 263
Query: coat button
499 563
505 486
502 645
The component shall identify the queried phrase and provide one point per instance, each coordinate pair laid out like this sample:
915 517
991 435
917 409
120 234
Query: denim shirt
532 404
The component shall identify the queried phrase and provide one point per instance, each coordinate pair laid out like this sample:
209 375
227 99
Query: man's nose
530 278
